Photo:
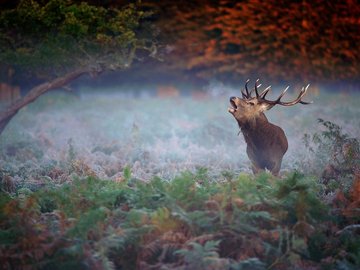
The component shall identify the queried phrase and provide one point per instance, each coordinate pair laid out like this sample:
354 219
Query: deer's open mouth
233 106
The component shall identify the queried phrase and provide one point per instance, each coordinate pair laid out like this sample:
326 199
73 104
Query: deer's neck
254 129
256 123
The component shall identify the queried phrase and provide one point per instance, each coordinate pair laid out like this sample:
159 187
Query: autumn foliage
280 40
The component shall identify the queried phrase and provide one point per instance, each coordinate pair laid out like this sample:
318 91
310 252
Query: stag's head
250 107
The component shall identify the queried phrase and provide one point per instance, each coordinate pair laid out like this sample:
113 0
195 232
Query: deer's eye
251 103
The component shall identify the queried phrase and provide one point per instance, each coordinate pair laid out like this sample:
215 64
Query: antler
278 100
247 95
262 95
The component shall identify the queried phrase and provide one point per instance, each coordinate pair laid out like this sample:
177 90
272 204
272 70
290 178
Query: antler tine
264 93
243 94
256 90
282 94
303 102
248 95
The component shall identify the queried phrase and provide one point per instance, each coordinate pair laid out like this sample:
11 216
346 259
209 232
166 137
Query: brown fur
266 142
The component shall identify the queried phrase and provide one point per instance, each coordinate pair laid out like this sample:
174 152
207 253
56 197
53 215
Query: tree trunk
37 91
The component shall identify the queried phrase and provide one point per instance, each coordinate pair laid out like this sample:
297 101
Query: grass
160 137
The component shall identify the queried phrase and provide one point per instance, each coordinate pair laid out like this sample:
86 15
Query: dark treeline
230 41
277 40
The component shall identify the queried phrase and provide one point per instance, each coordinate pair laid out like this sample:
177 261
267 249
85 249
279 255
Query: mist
103 131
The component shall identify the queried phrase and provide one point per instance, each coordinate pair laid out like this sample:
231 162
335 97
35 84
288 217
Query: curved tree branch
37 91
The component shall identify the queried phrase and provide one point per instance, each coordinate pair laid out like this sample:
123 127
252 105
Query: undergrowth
333 156
67 217
191 222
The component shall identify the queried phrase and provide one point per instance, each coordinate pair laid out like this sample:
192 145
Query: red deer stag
266 142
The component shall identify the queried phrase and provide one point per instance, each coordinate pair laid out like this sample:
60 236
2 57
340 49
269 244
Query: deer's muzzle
233 105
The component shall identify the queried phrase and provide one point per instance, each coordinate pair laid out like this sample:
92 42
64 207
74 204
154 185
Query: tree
281 40
61 40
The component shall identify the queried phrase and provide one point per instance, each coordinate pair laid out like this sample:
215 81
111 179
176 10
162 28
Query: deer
266 142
